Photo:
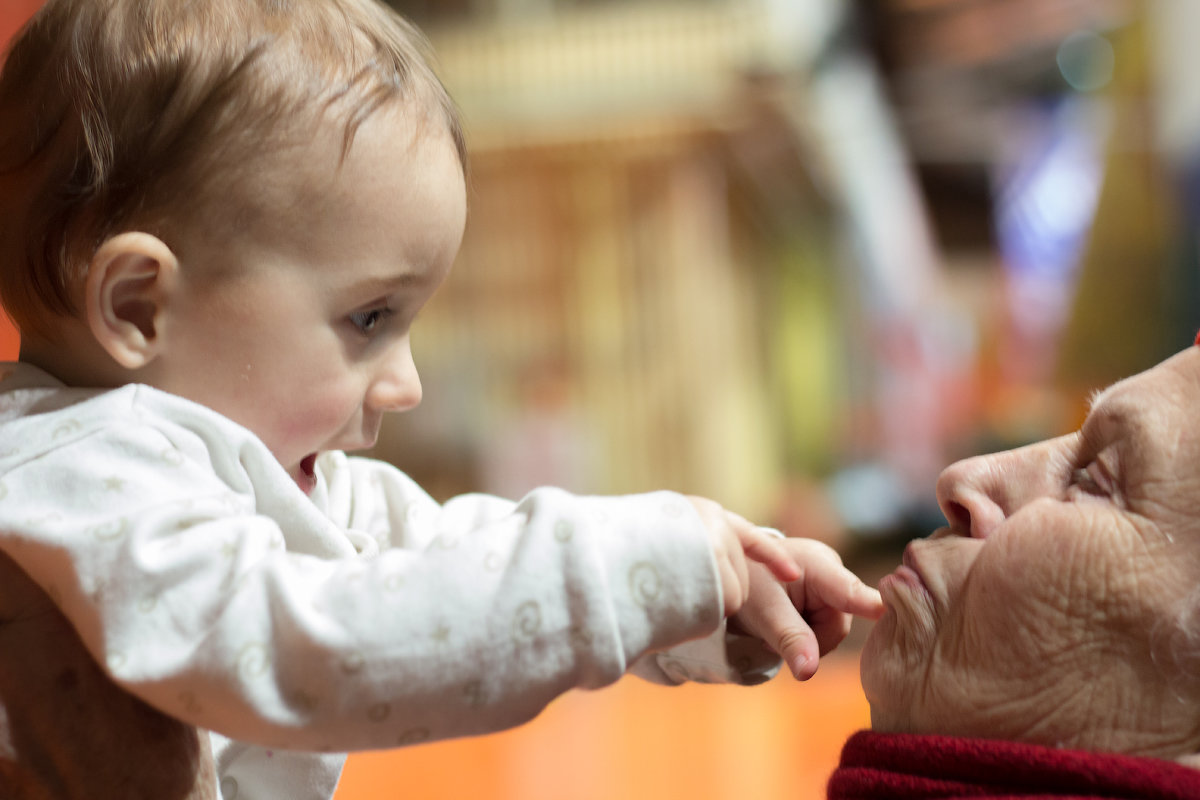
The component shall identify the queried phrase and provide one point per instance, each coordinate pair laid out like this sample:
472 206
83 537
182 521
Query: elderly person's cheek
1031 652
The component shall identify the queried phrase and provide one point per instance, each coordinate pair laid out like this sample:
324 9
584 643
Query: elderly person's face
1062 604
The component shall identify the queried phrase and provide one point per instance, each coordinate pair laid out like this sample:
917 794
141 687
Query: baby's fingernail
799 666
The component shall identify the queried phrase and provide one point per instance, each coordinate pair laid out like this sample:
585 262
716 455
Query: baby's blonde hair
123 112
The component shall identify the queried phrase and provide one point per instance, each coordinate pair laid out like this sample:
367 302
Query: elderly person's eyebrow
1096 397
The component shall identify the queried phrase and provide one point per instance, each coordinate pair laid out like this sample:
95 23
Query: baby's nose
397 386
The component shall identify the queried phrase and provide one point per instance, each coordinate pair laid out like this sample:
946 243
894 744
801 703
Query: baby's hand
734 540
804 619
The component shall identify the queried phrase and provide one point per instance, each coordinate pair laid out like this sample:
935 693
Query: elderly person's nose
977 494
966 493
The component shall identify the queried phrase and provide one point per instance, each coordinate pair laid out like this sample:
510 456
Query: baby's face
305 338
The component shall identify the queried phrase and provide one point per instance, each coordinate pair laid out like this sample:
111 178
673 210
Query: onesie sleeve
279 629
393 511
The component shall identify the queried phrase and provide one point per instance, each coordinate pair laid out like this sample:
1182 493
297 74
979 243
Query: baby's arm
375 498
232 603
807 617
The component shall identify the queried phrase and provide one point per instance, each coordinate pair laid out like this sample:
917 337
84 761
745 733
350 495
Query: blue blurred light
1086 60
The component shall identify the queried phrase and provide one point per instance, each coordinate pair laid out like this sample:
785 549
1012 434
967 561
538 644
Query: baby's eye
367 321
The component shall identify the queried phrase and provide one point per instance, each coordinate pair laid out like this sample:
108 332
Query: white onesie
367 616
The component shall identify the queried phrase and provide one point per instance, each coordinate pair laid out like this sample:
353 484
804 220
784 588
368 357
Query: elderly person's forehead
1175 379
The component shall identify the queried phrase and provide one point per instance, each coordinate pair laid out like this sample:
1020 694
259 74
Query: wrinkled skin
1050 609
69 733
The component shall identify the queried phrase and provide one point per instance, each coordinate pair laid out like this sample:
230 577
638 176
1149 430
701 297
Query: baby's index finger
866 601
842 590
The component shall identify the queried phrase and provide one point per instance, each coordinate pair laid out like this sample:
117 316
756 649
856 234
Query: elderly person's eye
1083 479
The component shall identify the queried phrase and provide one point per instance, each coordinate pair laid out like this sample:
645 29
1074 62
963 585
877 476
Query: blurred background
797 256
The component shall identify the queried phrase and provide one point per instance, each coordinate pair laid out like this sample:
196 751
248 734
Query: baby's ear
129 282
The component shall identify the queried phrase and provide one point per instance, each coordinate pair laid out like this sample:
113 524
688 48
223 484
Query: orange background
636 741
630 741
13 14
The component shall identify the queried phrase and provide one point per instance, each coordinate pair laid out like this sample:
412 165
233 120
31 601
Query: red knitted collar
896 766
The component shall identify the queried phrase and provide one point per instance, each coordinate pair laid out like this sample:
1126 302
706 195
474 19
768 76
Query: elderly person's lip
909 568
907 574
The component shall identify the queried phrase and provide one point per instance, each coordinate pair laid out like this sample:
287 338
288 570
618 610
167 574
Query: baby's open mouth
307 479
308 465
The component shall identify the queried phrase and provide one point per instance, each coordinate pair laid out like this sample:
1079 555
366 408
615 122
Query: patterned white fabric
367 616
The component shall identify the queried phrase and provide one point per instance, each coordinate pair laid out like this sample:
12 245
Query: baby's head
173 175
154 114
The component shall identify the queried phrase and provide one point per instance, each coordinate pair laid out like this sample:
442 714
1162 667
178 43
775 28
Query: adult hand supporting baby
805 618
737 544
67 730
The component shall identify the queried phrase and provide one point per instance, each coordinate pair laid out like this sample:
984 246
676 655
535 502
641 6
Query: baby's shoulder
39 418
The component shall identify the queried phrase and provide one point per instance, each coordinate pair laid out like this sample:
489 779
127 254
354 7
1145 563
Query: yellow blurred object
1122 321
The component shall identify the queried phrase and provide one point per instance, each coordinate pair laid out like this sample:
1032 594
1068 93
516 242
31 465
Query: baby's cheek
307 423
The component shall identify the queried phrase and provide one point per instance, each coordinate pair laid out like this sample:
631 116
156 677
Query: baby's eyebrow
384 284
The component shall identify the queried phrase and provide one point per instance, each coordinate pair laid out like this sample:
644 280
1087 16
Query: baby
218 222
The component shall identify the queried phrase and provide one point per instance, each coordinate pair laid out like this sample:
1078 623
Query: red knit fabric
889 766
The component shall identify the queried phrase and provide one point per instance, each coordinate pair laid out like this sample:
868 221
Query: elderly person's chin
980 673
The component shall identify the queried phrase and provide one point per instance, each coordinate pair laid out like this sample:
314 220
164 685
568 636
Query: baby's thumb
797 645
772 618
